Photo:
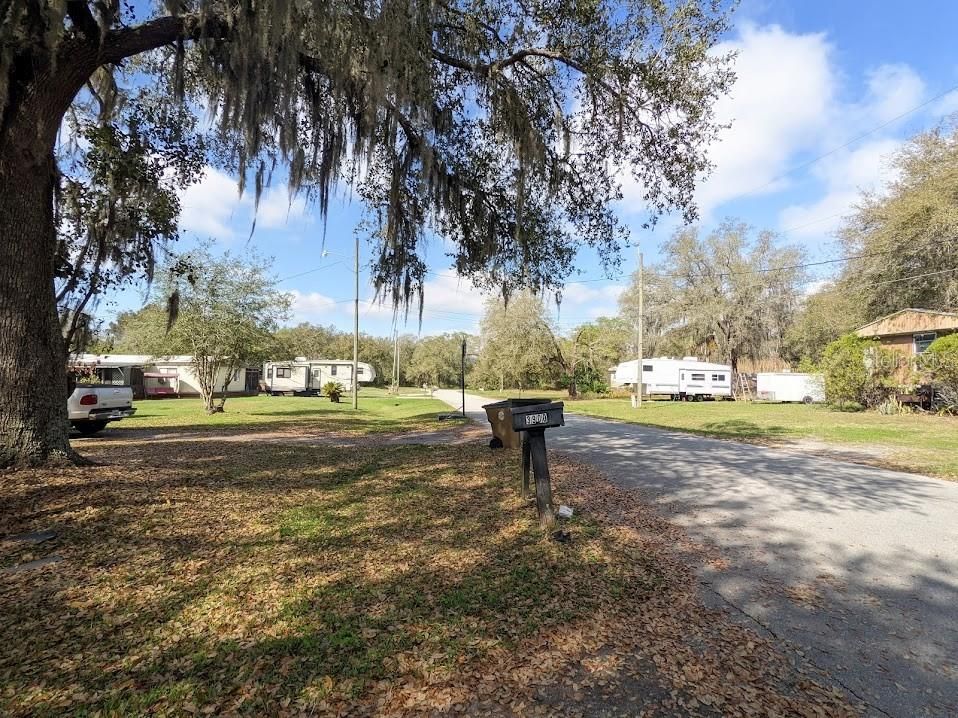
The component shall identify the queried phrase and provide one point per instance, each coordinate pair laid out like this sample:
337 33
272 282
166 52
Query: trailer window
359 370
647 367
269 373
283 372
718 377
332 370
698 377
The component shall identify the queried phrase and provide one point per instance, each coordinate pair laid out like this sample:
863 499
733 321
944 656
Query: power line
850 142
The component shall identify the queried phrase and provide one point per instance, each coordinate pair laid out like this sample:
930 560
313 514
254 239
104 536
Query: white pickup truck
92 406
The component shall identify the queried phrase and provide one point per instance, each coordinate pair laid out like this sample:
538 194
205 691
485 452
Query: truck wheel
89 428
807 400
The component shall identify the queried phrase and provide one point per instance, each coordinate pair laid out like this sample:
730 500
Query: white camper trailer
308 376
790 386
687 378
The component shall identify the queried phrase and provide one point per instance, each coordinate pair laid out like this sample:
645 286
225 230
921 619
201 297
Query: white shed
790 386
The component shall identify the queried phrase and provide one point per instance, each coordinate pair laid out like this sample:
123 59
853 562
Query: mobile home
159 377
790 386
686 378
308 376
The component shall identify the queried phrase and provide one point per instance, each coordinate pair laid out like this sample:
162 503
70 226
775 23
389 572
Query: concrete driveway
857 567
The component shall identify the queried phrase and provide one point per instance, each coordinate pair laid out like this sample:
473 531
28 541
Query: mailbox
538 416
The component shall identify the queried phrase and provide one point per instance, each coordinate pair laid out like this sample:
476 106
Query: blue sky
826 91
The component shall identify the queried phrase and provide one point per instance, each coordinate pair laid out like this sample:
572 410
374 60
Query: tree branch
121 44
81 17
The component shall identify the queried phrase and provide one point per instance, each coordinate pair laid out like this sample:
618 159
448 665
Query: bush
941 361
857 371
334 390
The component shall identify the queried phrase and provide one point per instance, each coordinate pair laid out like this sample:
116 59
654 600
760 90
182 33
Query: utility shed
910 331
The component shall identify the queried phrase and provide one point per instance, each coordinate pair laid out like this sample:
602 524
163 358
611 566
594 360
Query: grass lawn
377 413
236 578
927 444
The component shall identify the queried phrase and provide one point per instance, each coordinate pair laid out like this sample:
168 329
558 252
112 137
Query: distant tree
518 344
659 313
591 349
437 360
907 235
312 341
227 310
823 317
732 288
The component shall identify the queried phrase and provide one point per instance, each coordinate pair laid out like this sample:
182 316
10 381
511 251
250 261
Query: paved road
856 566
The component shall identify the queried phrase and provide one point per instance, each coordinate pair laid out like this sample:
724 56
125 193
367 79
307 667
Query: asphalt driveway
857 567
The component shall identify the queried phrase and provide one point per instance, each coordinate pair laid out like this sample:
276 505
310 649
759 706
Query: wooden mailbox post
533 421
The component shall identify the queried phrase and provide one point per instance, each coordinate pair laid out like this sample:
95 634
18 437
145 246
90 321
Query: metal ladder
744 388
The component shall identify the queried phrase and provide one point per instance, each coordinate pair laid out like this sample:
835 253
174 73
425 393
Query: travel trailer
679 379
308 376
790 386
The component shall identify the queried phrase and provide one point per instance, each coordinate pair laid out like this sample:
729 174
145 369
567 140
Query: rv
679 379
308 376
790 386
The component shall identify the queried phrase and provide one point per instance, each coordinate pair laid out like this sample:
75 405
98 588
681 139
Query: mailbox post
532 421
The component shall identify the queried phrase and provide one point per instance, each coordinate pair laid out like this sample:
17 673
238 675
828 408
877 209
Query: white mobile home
686 378
790 386
308 376
159 377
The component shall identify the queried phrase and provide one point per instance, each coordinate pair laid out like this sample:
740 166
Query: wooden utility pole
637 397
356 331
395 383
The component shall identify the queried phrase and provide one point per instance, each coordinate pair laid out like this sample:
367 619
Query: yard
215 576
912 442
378 413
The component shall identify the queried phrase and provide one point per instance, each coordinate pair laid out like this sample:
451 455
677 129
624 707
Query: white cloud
779 106
844 176
451 295
208 207
947 105
277 209
587 301
786 110
892 91
315 307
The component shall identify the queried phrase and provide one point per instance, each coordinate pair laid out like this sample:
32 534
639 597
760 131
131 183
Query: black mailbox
538 416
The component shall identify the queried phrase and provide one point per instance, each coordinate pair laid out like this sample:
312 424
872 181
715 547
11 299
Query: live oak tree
734 288
437 360
518 344
500 125
905 238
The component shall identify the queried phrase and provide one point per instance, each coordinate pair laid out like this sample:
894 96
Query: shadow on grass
741 429
288 574
353 423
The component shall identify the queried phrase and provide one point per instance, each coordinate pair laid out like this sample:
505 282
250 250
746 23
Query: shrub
940 366
857 371
941 360
334 390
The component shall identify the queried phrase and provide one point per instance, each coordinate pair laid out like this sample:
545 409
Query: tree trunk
33 385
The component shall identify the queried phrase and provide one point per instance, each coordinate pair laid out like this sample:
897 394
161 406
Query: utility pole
396 362
462 377
637 397
356 332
